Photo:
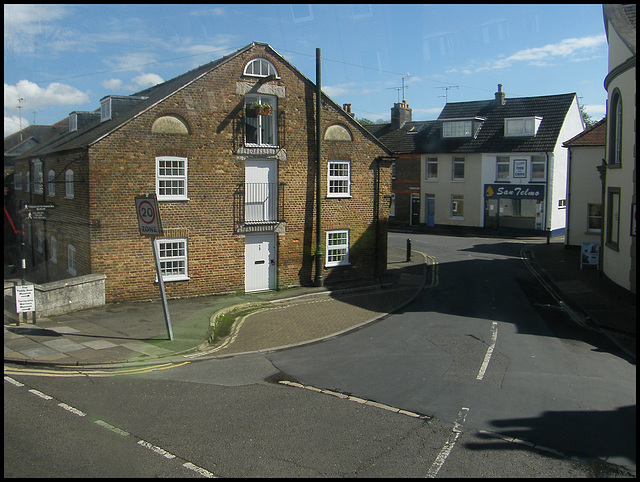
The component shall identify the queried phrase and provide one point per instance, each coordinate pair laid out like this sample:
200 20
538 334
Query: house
584 187
405 176
496 163
235 186
618 256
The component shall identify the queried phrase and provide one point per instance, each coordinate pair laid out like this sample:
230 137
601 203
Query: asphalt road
479 377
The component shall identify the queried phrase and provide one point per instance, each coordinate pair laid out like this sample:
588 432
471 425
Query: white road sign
148 216
25 298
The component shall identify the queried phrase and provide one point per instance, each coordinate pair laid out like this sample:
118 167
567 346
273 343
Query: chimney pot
500 95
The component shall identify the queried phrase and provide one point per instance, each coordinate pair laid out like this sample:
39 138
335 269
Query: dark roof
490 137
596 135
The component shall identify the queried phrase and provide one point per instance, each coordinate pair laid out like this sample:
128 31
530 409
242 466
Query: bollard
408 250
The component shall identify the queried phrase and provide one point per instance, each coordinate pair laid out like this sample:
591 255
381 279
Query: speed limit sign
148 216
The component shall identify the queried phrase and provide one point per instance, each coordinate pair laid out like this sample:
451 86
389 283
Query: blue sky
61 58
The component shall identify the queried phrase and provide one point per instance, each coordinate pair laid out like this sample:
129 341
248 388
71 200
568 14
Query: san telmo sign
513 191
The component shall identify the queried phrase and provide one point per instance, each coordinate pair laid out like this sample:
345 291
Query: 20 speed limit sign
148 216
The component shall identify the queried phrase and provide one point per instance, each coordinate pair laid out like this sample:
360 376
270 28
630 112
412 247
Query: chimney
499 96
400 114
347 109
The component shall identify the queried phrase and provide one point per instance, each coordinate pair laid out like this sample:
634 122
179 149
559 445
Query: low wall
60 297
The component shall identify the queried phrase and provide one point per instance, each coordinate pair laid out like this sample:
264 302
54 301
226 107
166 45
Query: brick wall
122 165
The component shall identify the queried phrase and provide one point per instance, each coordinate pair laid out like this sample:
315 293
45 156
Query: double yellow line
38 372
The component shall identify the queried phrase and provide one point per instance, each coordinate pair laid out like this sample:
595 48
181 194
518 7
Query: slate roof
596 135
426 137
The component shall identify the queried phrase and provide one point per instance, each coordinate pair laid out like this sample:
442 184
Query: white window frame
68 184
172 177
51 183
457 161
105 109
457 206
538 161
266 126
337 247
71 260
431 161
521 126
260 68
338 183
73 121
174 258
458 128
503 161
594 218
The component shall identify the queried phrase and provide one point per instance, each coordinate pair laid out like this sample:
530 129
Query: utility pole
319 281
20 99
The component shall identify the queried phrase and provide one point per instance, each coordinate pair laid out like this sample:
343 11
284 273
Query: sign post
150 225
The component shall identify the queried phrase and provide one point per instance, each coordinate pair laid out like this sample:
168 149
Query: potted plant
261 109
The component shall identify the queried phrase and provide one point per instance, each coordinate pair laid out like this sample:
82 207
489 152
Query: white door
260 191
260 262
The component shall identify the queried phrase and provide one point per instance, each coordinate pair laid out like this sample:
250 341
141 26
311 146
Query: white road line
487 357
40 394
71 409
108 426
13 382
157 450
449 444
199 470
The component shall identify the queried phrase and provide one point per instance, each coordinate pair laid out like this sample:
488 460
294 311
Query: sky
63 58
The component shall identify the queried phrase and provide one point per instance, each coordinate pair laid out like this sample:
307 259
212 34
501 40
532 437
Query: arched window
260 68
615 130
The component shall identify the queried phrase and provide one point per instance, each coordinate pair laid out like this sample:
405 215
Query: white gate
260 262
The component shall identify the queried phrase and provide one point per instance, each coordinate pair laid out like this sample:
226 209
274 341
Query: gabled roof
552 109
148 98
596 135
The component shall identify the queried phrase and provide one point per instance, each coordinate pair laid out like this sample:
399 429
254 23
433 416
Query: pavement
132 334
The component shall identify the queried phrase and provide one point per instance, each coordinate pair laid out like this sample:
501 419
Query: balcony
258 207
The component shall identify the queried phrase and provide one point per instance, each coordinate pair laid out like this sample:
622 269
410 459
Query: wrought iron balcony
259 205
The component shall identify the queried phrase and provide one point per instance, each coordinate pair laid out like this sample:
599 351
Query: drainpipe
318 279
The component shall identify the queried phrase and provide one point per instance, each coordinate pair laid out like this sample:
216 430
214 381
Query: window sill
339 196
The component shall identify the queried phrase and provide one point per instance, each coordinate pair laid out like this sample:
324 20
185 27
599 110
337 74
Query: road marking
13 382
448 446
487 357
71 409
157 450
199 470
108 426
40 394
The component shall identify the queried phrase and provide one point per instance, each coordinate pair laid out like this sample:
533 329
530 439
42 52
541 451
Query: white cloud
147 80
111 84
35 96
597 111
12 124
23 23
543 56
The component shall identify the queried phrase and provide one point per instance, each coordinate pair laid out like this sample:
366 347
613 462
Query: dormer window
521 126
260 68
457 129
468 127
73 122
105 109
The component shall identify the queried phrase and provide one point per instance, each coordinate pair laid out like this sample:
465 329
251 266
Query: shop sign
514 191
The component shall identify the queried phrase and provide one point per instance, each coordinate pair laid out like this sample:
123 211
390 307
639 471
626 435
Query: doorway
260 258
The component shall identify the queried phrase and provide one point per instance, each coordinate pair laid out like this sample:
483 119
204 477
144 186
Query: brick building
235 187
